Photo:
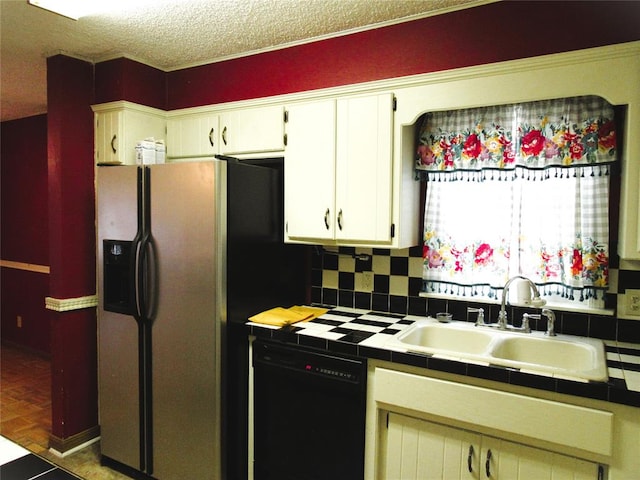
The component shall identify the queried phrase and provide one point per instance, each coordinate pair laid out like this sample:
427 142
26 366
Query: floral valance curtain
568 132
518 190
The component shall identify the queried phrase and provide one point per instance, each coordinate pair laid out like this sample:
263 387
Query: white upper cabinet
192 135
363 168
338 171
120 125
310 170
252 130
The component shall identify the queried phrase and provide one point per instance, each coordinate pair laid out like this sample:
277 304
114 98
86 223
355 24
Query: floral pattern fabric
546 218
568 132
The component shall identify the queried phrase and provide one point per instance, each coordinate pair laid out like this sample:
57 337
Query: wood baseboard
62 446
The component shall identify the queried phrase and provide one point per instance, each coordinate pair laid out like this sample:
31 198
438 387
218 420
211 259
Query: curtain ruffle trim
486 291
513 173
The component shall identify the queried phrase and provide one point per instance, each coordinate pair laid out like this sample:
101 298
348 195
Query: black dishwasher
309 414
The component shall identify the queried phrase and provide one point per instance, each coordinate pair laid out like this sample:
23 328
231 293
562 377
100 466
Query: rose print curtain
518 190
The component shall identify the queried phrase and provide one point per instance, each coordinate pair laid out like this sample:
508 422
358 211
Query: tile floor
17 463
25 414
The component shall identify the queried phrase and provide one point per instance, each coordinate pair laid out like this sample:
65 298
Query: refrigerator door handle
145 304
150 281
136 247
139 280
145 275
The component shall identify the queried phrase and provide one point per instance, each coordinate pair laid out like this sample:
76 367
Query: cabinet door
364 168
107 137
420 450
118 130
252 130
501 459
310 170
192 136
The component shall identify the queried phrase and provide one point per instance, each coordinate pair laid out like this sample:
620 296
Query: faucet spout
536 301
551 321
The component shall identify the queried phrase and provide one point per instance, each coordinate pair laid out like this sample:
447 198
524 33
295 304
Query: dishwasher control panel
347 369
340 374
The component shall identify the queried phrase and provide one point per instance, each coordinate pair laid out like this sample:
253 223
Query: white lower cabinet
429 428
416 449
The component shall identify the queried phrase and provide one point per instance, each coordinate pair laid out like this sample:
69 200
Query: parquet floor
25 413
25 398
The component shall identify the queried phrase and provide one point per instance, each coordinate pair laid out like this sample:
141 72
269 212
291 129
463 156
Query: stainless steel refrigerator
166 280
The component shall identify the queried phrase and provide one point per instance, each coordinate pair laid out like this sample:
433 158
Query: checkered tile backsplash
338 279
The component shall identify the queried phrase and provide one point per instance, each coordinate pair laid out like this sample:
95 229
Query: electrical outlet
632 301
367 281
19 321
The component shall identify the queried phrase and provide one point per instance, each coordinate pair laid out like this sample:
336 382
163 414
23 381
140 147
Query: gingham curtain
518 190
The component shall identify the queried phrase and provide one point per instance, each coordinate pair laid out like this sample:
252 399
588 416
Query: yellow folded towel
280 316
312 312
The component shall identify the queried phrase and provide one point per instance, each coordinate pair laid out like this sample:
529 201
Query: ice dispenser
118 276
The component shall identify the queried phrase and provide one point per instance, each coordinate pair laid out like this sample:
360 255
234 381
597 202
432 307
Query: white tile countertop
366 334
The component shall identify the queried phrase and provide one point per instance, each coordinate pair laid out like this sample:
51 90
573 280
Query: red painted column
71 251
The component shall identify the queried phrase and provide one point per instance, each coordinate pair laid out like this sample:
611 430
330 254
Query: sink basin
583 357
436 337
564 355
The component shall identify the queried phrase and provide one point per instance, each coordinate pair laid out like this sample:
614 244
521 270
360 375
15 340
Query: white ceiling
174 34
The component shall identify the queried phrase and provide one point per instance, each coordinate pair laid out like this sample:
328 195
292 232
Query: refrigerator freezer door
188 231
117 332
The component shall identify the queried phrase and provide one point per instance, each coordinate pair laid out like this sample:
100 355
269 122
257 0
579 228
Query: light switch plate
632 302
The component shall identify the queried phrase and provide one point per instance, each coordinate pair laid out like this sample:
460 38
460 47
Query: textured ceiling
173 34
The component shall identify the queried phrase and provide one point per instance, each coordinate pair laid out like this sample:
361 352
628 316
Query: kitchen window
521 189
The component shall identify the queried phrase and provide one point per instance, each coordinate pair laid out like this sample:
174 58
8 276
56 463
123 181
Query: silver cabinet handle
113 140
326 219
211 136
487 465
224 135
340 219
470 459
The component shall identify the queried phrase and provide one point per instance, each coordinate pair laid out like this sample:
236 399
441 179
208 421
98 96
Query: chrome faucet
551 321
480 312
536 301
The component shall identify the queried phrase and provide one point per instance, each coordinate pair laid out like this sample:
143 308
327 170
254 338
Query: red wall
24 190
25 231
490 33
124 79
23 294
